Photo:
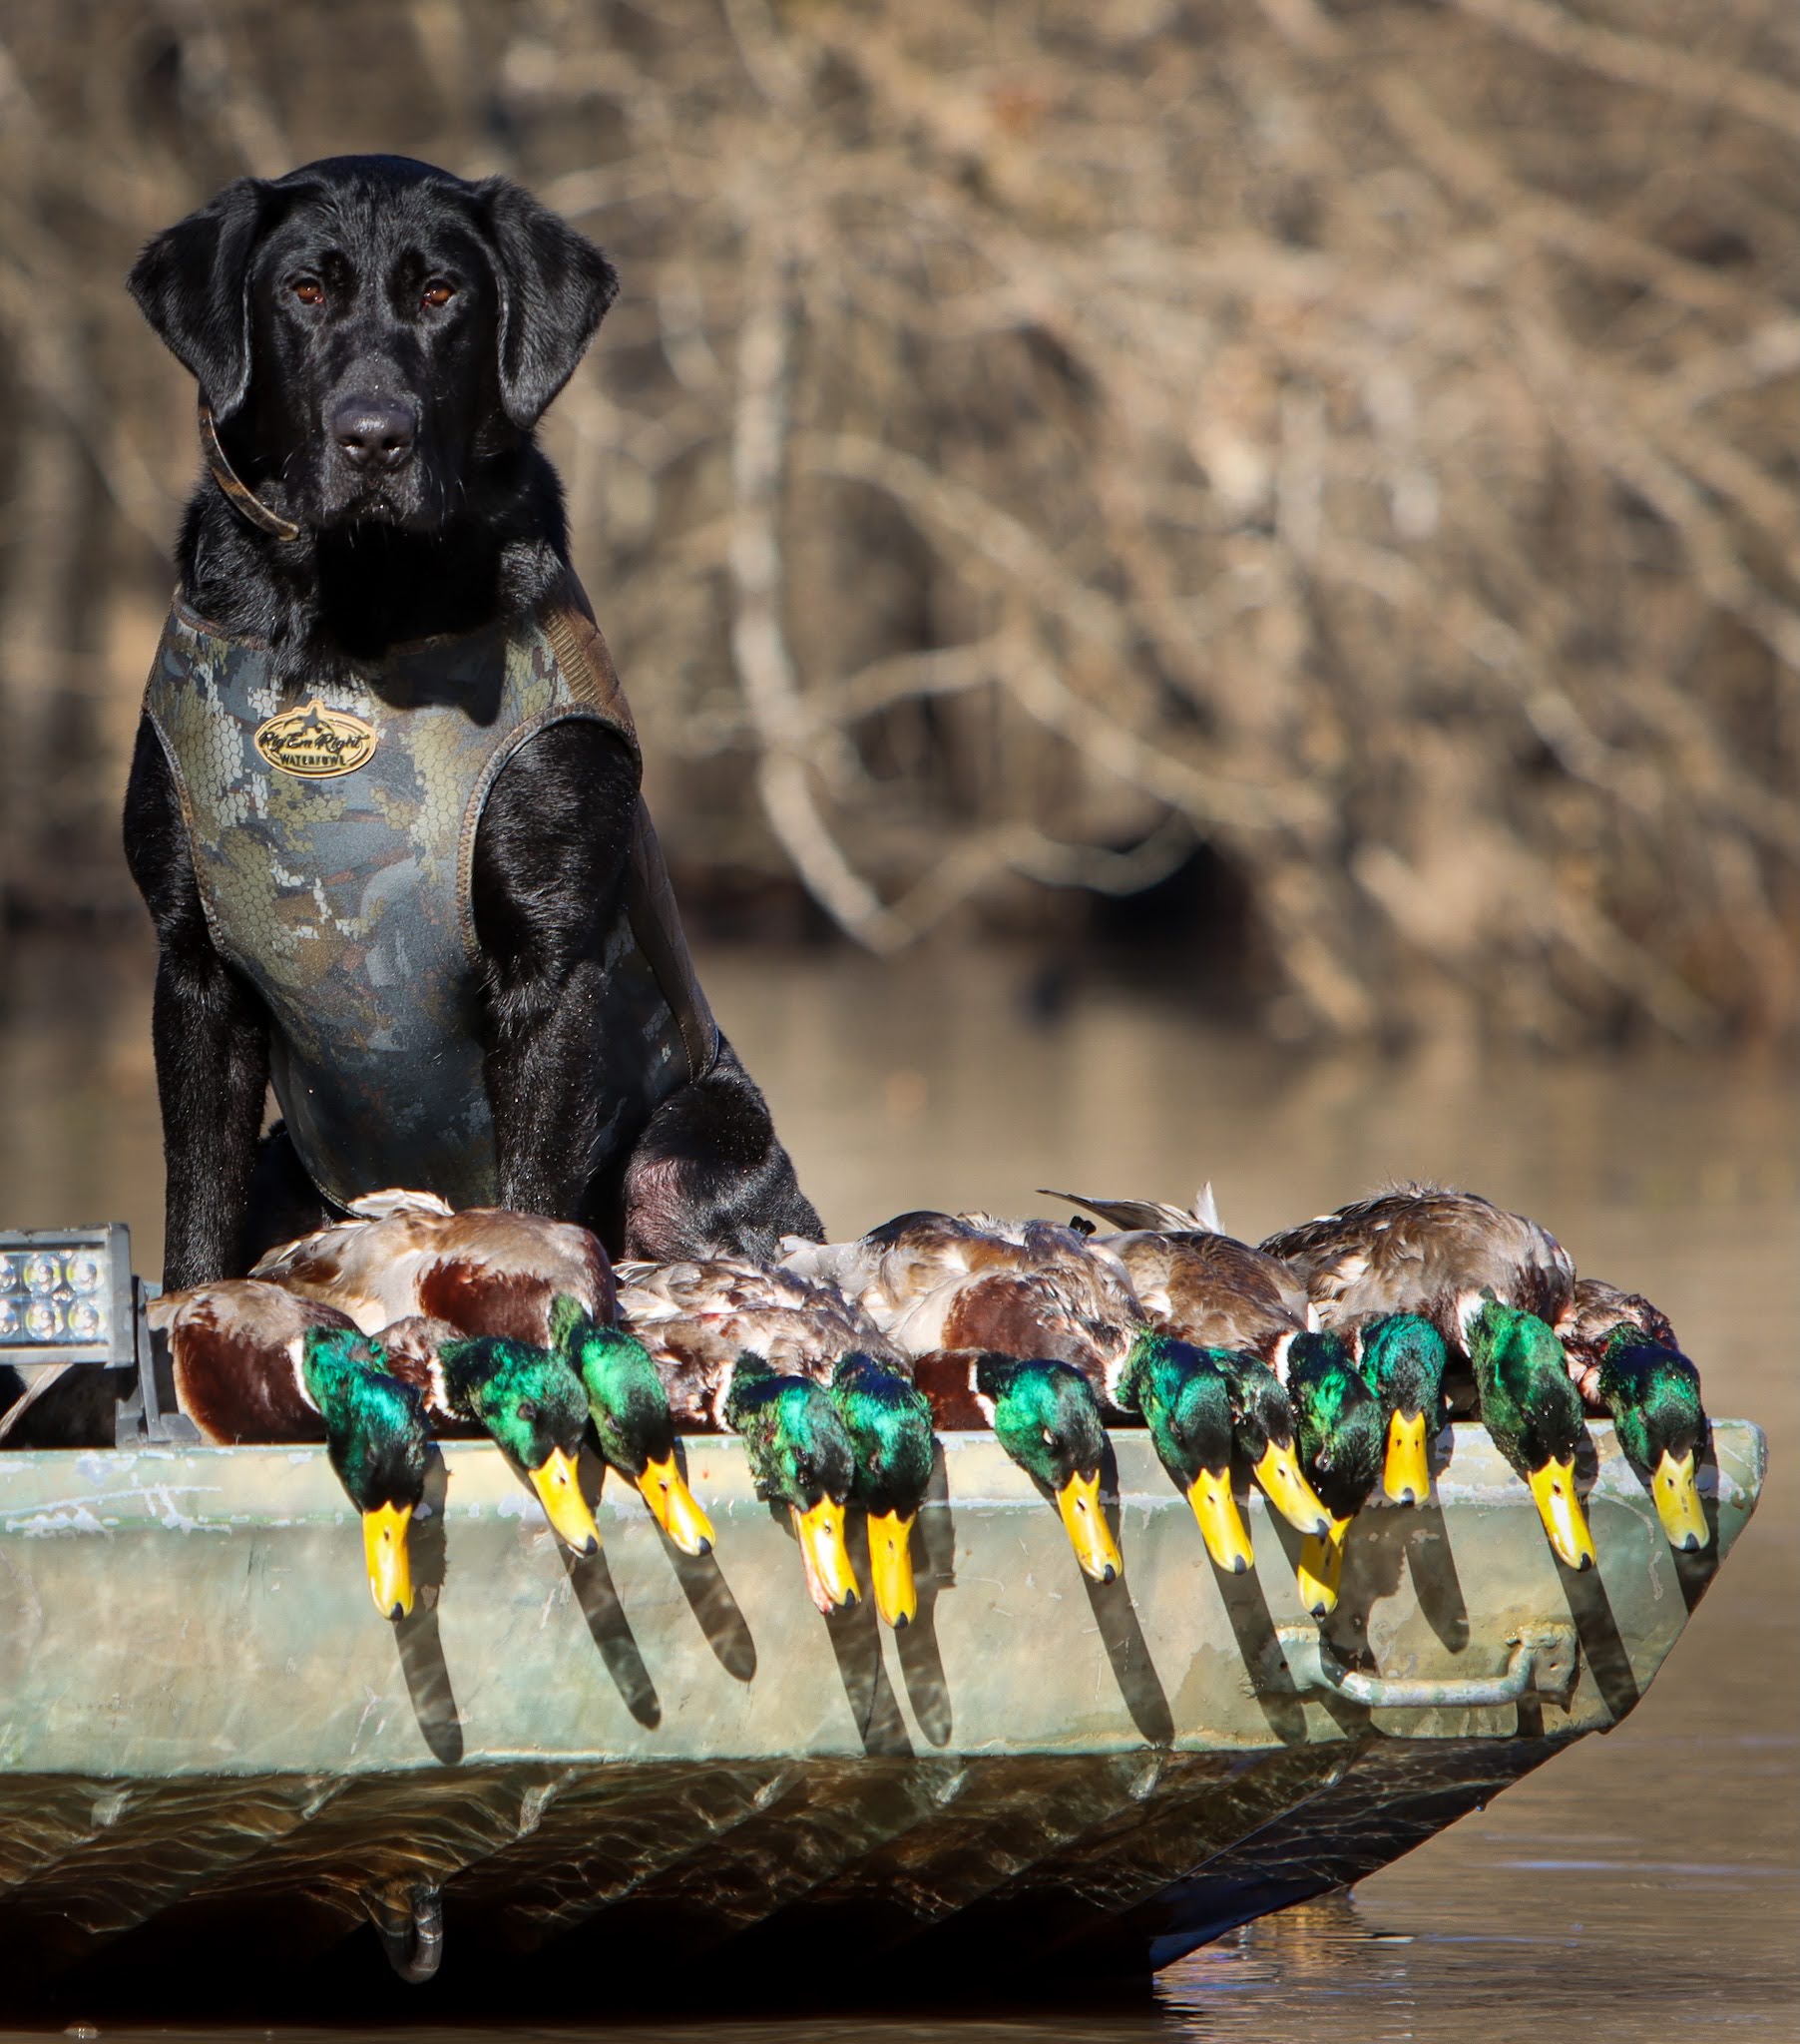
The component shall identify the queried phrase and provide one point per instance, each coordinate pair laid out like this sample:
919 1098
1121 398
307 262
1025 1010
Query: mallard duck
1045 1414
631 1422
1339 1424
1221 1296
888 1419
534 1406
1016 1326
1403 1357
1625 1362
485 1271
702 1321
376 1437
252 1363
1425 1249
1533 1413
1186 1400
801 1458
1262 1435
527 1399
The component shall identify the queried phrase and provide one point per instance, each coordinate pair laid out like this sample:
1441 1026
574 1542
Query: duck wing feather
1213 1291
486 1271
366 1269
499 1272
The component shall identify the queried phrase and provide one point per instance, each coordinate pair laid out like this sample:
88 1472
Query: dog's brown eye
308 291
438 293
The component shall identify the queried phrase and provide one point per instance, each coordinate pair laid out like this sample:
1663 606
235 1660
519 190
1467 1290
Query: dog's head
368 329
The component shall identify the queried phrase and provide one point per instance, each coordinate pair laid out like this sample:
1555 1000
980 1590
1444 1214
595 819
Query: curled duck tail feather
1156 1214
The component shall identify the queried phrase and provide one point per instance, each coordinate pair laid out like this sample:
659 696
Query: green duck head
530 1401
1653 1395
376 1436
1187 1405
1533 1413
630 1409
1262 1433
1046 1418
1403 1363
1341 1440
889 1424
800 1454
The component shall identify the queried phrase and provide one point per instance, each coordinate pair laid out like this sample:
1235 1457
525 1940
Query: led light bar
67 1294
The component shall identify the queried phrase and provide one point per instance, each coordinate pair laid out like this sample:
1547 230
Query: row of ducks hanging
1320 1367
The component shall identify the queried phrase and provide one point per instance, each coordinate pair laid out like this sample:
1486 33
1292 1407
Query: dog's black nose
375 432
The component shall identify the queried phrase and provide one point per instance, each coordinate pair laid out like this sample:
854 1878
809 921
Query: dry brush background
1344 455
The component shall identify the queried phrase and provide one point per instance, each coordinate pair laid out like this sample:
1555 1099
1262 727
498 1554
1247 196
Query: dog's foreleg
209 1036
211 1053
550 864
541 1092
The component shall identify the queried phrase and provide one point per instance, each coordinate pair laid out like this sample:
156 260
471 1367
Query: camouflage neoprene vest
333 841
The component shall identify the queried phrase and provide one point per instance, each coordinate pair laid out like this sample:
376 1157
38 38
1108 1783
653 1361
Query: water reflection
1648 1880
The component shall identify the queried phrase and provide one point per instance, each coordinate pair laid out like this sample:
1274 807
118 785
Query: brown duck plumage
697 1318
946 1287
485 1271
1425 1249
410 1347
1213 1291
234 1350
1587 1326
1195 1281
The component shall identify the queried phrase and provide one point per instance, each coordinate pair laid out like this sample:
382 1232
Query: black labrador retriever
384 805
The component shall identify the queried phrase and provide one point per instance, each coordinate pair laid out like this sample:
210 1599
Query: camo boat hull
214 1753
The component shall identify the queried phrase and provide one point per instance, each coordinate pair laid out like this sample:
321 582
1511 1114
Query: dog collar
236 491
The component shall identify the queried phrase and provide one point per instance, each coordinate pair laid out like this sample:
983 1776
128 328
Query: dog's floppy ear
554 287
192 283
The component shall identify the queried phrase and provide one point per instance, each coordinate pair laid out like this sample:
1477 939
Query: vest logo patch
316 742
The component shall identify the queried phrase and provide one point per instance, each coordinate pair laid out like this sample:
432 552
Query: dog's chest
333 841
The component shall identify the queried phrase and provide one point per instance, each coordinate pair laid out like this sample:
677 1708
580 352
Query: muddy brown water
1646 1883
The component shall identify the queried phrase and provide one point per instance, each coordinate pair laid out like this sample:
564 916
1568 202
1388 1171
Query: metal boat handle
410 1923
1544 1662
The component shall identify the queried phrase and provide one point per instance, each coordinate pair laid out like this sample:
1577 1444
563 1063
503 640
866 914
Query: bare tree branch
758 644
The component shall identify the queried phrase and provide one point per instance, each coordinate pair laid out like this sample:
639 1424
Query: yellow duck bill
829 1576
1221 1524
1553 1492
558 1484
1086 1524
1406 1469
1677 1498
891 1568
389 1563
1289 1492
673 1505
1321 1568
